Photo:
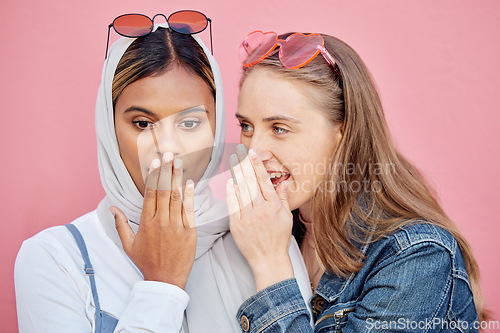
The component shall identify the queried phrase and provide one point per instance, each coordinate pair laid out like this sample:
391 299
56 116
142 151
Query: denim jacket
413 280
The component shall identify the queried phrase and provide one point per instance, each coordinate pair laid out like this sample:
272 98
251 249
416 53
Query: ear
337 137
340 134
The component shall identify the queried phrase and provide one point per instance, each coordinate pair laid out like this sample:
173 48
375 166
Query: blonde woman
381 253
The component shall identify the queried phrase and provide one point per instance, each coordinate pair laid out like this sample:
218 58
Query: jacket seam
434 237
459 274
264 293
445 292
450 319
272 321
400 249
429 241
327 291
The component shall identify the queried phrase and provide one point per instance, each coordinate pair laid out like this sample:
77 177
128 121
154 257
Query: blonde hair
402 195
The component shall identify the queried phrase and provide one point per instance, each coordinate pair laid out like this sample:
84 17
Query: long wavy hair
398 194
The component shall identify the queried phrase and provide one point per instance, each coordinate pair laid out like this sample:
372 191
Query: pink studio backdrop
435 64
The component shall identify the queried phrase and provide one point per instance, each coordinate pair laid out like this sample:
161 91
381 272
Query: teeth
273 175
276 174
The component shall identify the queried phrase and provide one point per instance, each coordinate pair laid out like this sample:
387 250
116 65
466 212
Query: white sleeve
52 295
154 307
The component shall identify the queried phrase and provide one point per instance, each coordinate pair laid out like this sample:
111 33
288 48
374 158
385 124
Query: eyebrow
198 108
273 118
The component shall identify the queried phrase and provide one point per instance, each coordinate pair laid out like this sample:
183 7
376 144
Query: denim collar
330 286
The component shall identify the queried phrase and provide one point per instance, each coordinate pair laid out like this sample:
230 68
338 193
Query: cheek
321 165
303 180
196 163
196 142
127 144
308 171
318 169
245 140
197 150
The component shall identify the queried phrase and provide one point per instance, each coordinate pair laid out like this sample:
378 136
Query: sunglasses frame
111 25
279 42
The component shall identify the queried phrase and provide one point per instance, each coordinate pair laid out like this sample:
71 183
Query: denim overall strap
89 271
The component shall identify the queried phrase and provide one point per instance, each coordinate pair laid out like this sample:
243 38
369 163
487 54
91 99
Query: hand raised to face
259 218
165 245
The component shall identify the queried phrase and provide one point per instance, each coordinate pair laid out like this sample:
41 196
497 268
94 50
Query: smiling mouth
278 177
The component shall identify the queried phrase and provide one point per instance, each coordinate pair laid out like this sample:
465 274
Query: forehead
173 91
264 94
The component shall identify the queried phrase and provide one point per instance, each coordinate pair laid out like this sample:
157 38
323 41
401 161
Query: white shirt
53 292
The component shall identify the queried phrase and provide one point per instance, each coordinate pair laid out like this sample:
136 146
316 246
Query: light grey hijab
220 280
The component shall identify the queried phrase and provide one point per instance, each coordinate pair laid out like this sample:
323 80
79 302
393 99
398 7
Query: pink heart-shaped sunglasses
295 51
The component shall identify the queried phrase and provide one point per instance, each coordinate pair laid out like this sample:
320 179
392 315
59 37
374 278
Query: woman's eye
245 127
279 130
189 124
143 124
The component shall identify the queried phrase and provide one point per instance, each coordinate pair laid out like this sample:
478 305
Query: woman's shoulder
421 232
60 233
55 243
418 242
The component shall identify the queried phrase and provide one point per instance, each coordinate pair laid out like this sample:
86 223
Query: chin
297 200
293 203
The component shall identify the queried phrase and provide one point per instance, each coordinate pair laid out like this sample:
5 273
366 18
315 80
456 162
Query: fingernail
177 163
112 211
252 153
233 160
167 157
155 164
241 149
190 183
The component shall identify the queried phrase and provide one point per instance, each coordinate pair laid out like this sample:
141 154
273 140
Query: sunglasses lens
299 49
133 25
256 47
188 22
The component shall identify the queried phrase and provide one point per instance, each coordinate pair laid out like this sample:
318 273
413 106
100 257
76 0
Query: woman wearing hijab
159 107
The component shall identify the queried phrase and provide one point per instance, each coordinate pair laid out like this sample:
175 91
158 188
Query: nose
166 140
261 146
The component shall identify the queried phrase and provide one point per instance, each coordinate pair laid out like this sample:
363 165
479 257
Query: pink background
435 64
